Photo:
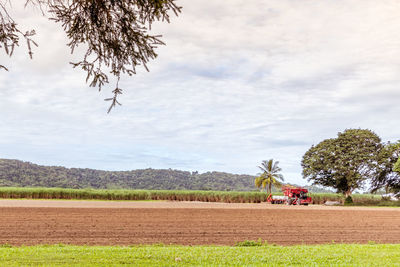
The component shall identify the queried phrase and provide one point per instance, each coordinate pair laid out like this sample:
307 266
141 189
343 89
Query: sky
237 83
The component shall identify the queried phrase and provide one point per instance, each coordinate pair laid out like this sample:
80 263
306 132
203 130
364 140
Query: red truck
291 196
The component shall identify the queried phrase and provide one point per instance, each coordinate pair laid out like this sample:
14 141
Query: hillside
25 174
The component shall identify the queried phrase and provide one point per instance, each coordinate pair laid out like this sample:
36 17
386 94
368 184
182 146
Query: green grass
266 255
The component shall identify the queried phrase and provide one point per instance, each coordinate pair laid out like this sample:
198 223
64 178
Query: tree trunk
348 193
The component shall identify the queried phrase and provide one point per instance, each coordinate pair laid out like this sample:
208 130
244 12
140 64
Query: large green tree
270 175
396 167
388 175
115 33
344 163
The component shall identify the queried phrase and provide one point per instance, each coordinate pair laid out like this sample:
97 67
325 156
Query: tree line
18 173
25 174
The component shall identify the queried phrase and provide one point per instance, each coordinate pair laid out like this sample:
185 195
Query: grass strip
158 255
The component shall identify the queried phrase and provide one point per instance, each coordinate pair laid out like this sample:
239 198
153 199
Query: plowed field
124 223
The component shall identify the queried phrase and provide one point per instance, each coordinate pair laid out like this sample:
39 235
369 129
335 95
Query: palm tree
270 175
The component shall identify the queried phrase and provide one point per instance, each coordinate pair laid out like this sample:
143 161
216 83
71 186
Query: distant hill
25 174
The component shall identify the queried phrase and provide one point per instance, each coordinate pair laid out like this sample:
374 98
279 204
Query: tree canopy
396 167
115 34
389 169
343 163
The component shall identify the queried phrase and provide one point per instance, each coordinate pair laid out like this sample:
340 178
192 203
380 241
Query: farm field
31 222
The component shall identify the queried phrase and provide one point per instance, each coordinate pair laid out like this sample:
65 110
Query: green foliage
396 167
251 243
358 199
343 163
115 33
321 255
174 195
270 175
21 174
348 200
15 173
388 203
388 176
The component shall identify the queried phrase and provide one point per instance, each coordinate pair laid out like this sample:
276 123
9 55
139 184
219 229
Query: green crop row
176 195
159 255
99 194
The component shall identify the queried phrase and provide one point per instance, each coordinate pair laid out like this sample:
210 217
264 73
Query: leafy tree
388 175
270 175
343 163
114 33
396 167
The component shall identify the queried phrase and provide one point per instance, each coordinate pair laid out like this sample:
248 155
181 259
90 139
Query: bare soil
32 222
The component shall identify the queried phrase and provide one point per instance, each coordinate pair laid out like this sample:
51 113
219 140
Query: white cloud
237 83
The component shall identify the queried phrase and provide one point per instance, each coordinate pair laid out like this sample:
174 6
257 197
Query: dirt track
123 223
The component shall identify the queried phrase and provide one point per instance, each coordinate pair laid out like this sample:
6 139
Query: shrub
250 243
348 200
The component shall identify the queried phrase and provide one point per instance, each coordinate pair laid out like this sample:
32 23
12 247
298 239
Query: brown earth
190 223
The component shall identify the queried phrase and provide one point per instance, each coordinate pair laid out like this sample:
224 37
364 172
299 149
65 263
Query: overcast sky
238 82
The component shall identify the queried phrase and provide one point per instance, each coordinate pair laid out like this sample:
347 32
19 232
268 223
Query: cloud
237 83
